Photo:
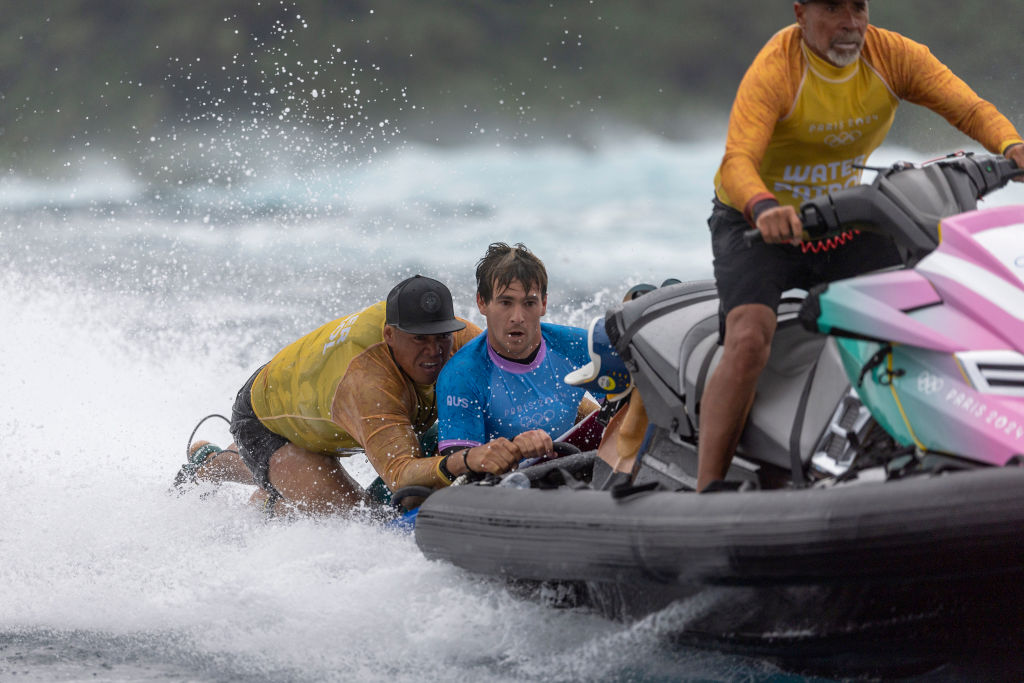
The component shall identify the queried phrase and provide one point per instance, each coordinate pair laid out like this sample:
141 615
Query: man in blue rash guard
504 391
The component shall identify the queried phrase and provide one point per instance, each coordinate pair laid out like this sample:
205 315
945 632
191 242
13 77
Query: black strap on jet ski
558 478
876 360
796 462
698 387
654 313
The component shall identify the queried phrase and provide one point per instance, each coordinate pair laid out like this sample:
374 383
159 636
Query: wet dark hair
502 265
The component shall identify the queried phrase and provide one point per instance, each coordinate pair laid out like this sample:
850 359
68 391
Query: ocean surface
135 302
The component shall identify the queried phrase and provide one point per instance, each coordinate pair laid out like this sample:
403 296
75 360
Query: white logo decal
457 402
928 384
340 333
1019 262
843 138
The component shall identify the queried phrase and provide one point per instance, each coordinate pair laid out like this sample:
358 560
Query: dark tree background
114 74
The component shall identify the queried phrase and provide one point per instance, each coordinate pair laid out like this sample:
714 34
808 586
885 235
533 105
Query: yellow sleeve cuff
1007 144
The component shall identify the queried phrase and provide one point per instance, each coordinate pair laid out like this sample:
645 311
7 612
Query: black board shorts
758 273
255 442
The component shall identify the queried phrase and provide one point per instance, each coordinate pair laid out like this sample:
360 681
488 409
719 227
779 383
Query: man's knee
748 337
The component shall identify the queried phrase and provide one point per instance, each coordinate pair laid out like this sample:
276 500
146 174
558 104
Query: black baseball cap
421 305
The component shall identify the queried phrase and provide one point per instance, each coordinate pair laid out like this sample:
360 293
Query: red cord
827 244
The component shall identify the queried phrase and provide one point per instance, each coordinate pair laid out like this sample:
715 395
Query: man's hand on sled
493 457
535 443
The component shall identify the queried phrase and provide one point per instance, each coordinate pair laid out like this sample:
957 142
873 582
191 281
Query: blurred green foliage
118 72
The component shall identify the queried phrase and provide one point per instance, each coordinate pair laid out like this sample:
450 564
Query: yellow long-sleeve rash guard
800 125
338 388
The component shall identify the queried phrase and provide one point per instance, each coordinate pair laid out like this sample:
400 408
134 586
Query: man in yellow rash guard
365 380
817 100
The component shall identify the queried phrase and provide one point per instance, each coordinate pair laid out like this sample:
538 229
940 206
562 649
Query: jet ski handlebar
906 201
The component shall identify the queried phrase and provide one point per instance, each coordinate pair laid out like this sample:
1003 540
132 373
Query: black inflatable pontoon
802 575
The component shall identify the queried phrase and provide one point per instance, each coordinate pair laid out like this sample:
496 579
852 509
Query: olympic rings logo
928 384
847 137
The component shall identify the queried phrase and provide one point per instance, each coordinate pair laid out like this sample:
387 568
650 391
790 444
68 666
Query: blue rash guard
482 396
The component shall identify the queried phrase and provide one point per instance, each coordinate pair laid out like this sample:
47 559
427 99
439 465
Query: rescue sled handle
906 201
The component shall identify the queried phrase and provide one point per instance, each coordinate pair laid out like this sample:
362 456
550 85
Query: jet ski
877 492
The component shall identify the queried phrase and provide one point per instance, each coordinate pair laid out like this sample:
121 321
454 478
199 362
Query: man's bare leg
729 393
226 465
313 482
